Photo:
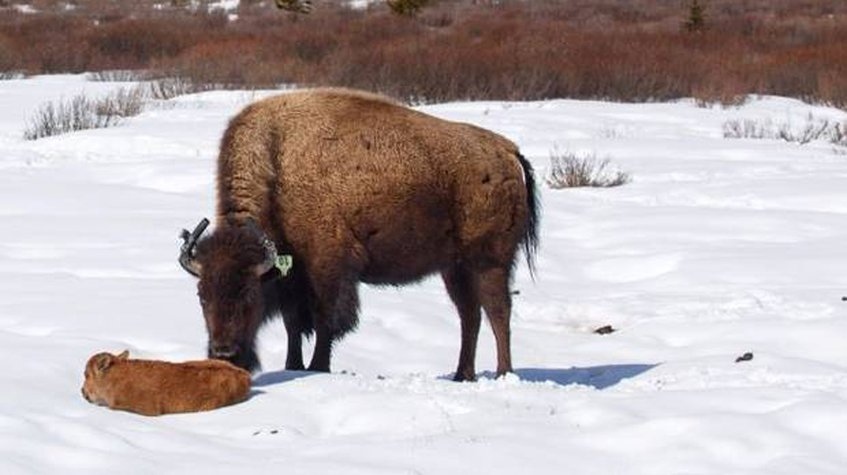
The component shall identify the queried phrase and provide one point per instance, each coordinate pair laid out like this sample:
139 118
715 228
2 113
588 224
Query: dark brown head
230 264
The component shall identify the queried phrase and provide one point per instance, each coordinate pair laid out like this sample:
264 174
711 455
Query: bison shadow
598 377
279 377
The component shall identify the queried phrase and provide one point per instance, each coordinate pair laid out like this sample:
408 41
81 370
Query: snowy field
717 248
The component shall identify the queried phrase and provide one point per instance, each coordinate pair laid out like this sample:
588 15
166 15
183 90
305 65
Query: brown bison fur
359 189
154 388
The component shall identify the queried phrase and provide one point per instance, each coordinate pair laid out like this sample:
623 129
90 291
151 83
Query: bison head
230 264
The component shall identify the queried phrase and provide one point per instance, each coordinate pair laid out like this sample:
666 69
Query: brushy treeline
452 50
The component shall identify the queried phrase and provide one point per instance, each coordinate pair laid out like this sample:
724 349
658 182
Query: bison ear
124 355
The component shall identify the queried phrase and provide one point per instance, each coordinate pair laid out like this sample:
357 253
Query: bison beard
358 189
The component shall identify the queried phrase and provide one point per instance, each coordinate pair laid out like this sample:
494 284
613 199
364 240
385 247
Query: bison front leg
497 301
294 327
461 286
322 356
336 312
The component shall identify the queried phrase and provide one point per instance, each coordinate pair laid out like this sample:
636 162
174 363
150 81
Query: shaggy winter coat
357 189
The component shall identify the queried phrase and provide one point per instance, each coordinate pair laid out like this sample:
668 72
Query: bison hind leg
496 299
462 287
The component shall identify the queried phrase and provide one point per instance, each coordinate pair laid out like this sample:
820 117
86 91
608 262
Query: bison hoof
464 376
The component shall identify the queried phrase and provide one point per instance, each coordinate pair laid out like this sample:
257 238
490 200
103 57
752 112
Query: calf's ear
103 362
124 355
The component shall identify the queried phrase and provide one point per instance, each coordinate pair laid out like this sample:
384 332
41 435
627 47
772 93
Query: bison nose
222 351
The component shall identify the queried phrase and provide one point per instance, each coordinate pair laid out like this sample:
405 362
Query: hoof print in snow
745 357
604 330
518 292
844 299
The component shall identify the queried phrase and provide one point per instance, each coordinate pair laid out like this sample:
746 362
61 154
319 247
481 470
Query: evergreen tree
696 20
296 6
406 7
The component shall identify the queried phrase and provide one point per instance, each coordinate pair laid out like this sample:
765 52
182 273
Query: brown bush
604 49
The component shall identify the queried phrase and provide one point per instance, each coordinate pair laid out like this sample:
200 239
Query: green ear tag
284 262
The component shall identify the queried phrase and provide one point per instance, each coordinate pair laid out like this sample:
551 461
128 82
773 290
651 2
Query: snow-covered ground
717 248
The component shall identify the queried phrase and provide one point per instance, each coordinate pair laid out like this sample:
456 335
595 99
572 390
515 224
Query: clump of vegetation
606 49
838 134
696 20
6 75
118 75
169 87
568 170
407 7
295 6
813 129
122 103
82 113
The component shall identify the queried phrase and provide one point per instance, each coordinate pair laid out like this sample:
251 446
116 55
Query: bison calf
154 388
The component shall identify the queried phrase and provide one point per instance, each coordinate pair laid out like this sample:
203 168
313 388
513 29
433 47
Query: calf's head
230 264
96 369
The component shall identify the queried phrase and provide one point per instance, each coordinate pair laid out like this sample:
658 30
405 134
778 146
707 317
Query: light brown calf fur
153 388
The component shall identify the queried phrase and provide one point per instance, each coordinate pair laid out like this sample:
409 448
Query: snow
226 5
717 248
24 8
361 4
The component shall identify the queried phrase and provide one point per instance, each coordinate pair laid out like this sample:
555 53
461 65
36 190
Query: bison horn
187 250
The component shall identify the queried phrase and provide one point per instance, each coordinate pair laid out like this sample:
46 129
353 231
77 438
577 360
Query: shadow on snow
598 377
279 377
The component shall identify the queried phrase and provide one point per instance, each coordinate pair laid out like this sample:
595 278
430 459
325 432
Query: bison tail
530 237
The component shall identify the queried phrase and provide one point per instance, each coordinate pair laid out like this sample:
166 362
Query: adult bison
357 188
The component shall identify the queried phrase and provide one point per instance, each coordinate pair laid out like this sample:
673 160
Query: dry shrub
811 130
224 64
838 134
118 75
66 116
169 87
568 170
82 113
121 103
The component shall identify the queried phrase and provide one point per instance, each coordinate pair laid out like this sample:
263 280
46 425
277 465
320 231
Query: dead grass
453 49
